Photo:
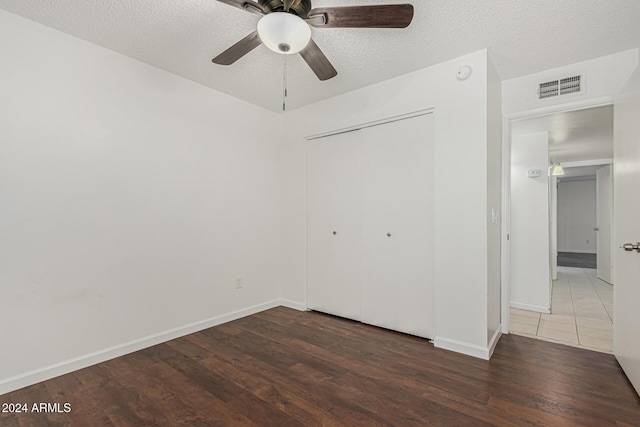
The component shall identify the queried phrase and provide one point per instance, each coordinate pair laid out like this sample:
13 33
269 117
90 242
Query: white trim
494 341
41 374
560 108
463 347
371 124
580 163
530 307
300 306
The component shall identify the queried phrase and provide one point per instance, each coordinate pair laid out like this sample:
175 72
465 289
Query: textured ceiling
182 36
575 135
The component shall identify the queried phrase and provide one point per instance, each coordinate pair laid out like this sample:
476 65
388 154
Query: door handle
631 247
596 229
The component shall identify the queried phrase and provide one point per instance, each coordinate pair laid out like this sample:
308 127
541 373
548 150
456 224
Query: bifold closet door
333 237
398 225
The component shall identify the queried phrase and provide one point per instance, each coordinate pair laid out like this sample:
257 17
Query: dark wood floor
288 368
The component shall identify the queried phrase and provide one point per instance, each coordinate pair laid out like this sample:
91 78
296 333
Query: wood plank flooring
283 367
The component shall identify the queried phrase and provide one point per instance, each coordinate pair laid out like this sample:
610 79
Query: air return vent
564 86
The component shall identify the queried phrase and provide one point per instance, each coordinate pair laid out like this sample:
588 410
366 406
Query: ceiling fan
284 28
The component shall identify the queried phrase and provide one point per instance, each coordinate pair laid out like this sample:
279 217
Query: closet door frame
429 303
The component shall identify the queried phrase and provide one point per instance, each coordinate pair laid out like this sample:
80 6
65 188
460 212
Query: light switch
534 173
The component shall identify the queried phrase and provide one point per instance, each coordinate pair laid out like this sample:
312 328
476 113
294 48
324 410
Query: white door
378 273
413 227
604 211
626 205
397 225
333 245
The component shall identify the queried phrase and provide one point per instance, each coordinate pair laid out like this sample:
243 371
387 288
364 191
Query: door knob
388 234
596 229
631 247
334 232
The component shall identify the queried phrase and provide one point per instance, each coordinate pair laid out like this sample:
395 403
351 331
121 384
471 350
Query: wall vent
559 87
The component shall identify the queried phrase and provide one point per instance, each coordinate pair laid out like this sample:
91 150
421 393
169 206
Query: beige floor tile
562 318
558 335
594 333
558 326
519 328
594 324
599 343
593 312
589 300
524 320
527 313
578 298
564 311
610 312
595 315
586 299
562 302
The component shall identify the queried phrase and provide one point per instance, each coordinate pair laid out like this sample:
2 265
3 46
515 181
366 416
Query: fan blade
248 5
380 16
317 61
239 49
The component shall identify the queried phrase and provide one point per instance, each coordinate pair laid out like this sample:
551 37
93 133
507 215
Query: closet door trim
370 124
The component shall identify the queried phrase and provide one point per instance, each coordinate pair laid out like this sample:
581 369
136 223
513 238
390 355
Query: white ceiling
182 36
574 135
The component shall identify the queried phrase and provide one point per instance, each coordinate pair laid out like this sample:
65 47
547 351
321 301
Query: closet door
378 273
397 225
414 225
333 239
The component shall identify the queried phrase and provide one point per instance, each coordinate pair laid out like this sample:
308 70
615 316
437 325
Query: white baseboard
41 374
293 304
467 348
530 307
494 340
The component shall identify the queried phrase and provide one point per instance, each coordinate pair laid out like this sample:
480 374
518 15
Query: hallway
581 312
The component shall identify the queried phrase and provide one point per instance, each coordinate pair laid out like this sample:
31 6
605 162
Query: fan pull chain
284 85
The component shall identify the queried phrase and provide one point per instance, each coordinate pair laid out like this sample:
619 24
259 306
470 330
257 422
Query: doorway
567 304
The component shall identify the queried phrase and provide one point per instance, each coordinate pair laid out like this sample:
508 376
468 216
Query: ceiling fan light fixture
284 32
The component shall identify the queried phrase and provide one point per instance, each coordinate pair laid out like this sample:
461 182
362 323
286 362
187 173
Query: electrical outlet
238 282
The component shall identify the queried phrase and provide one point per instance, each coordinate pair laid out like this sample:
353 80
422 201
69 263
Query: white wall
577 216
461 197
494 198
530 274
130 198
604 77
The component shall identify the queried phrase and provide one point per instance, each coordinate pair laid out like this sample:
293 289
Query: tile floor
581 312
